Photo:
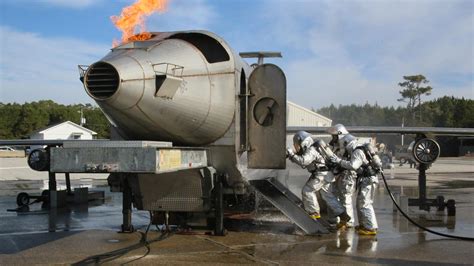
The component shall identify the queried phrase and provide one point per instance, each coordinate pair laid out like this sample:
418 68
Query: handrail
168 69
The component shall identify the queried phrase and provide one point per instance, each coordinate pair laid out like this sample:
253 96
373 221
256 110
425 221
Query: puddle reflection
349 242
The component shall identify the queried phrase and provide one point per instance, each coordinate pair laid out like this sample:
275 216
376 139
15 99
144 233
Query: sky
334 52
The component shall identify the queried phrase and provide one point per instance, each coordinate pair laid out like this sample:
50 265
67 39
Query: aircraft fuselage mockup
191 89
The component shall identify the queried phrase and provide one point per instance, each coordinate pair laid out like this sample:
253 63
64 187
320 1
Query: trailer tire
45 196
23 199
451 206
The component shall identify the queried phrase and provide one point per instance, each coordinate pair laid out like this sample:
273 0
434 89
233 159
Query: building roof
42 131
301 108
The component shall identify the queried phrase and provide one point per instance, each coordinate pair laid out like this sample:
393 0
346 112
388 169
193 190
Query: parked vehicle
10 152
404 154
6 148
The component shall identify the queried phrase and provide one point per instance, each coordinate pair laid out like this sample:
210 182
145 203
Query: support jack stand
426 151
127 226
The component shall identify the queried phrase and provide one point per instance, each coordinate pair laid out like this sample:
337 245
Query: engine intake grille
102 80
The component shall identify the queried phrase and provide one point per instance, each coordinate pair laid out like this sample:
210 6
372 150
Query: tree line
442 112
19 121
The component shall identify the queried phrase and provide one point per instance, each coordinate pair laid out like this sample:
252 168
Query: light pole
83 120
403 124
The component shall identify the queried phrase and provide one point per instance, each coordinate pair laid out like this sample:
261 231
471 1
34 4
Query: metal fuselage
181 87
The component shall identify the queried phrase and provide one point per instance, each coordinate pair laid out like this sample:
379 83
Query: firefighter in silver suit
306 156
366 166
345 180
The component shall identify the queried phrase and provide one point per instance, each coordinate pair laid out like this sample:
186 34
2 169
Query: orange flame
133 16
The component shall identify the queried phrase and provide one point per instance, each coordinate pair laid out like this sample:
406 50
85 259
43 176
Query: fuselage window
212 50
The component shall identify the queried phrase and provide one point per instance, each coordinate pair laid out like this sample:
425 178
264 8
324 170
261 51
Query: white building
65 130
298 116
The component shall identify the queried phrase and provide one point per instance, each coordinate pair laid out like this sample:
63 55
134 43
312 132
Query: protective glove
289 153
334 159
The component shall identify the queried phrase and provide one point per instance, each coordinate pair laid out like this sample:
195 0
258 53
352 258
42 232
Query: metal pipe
68 184
52 181
127 208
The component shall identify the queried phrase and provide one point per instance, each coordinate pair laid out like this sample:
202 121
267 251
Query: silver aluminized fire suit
345 184
344 190
320 179
366 184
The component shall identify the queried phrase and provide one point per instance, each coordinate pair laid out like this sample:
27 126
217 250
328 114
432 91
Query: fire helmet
338 129
301 141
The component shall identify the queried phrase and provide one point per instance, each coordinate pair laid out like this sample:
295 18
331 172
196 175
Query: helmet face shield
336 145
297 147
337 132
334 140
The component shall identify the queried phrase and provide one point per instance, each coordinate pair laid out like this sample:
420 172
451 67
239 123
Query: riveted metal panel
267 115
128 158
103 160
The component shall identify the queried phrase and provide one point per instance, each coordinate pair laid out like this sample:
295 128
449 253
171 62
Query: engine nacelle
176 86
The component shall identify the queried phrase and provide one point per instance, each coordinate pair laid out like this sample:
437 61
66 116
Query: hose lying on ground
415 223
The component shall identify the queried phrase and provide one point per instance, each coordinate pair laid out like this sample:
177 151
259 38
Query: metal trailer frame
154 176
158 177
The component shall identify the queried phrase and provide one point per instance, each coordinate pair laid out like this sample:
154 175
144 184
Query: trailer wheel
45 196
440 202
451 206
22 199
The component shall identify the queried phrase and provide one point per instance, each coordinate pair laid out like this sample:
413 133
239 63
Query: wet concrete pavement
88 234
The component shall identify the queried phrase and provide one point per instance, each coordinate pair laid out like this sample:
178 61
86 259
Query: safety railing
168 69
82 71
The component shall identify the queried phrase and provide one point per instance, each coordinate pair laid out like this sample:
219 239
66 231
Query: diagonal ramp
289 204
